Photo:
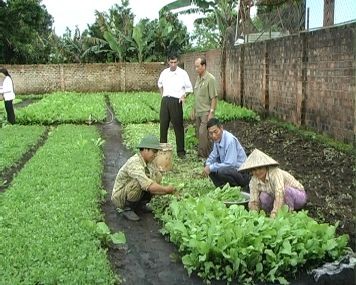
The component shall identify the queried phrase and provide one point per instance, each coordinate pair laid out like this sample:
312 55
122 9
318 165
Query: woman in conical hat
270 186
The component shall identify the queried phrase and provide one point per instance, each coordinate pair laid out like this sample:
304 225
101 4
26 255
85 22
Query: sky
72 13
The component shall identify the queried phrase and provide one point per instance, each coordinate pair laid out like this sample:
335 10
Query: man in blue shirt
226 157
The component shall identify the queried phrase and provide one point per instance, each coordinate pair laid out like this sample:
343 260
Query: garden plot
16 141
49 214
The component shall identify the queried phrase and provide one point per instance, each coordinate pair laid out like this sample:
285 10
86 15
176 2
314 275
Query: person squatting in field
270 186
138 179
225 158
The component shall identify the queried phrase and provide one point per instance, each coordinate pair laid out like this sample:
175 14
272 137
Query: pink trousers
294 198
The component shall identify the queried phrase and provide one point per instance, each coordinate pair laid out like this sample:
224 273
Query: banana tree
219 15
141 42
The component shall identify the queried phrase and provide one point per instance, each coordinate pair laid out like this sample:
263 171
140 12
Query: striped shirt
134 177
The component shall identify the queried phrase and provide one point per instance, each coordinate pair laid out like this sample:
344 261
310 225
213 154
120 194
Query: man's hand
210 115
182 99
273 214
206 171
170 189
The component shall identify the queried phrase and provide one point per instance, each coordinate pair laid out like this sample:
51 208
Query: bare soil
326 174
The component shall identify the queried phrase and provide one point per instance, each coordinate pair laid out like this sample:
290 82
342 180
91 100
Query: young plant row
133 107
64 107
15 141
49 230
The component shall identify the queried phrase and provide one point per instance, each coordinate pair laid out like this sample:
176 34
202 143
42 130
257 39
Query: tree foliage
216 26
26 36
25 31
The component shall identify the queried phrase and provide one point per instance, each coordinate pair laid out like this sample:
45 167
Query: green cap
149 141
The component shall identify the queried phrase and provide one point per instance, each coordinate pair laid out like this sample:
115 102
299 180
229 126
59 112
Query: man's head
200 65
173 61
149 147
215 129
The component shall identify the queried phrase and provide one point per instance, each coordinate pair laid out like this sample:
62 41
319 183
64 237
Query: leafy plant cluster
64 107
233 244
15 141
129 108
49 230
137 107
227 194
142 107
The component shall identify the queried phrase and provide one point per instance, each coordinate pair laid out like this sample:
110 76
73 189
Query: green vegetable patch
48 216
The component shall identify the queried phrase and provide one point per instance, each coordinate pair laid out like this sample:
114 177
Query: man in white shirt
174 84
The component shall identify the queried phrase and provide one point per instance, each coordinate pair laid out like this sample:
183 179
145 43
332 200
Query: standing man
138 179
174 84
205 105
227 156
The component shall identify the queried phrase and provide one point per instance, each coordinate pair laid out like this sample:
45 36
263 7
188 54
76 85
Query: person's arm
213 104
187 86
254 203
160 83
277 181
157 189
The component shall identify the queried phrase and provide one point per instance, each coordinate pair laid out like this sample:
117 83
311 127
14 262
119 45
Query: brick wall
307 79
330 87
32 79
213 61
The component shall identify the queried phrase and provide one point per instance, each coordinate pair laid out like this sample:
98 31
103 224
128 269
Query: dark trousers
10 111
172 111
145 198
232 176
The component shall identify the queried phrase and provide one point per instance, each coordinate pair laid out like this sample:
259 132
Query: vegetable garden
57 225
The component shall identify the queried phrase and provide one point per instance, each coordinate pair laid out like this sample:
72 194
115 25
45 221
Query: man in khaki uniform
205 93
138 179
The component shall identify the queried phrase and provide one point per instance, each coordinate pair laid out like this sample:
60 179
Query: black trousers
10 111
232 176
172 111
145 198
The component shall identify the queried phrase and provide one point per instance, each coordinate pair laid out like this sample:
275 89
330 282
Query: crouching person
138 179
270 186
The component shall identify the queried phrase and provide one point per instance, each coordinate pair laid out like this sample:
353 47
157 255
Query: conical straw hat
256 159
